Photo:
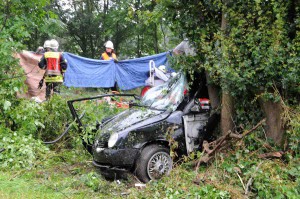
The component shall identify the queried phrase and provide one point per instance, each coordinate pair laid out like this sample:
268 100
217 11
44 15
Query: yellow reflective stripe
58 78
52 55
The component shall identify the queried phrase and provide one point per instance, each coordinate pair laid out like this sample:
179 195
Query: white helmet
54 44
163 68
47 44
109 44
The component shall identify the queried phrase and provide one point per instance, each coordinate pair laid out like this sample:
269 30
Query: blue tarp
129 74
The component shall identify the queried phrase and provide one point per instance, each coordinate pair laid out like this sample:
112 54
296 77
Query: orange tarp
29 63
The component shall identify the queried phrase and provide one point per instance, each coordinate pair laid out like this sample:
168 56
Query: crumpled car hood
128 118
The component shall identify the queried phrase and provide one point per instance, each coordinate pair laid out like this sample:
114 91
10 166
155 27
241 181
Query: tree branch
220 143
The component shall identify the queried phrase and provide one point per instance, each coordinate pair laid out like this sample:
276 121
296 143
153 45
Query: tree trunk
227 113
274 123
227 100
213 92
155 37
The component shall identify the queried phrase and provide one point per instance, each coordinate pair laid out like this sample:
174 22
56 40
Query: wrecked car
139 139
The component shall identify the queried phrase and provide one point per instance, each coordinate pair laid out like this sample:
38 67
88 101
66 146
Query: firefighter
40 50
55 65
108 55
109 52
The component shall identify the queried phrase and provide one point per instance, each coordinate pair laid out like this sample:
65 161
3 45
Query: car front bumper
115 159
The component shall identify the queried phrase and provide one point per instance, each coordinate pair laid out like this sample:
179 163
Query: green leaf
7 104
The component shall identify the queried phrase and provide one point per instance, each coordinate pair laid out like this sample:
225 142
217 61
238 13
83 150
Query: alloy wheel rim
159 164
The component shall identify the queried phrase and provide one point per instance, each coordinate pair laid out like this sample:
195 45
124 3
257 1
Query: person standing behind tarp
109 52
55 65
108 55
40 50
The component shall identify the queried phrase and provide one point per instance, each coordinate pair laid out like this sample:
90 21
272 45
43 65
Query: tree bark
227 113
155 37
227 100
274 123
213 92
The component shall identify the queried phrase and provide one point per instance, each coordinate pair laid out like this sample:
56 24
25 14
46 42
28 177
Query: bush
25 124
293 131
22 151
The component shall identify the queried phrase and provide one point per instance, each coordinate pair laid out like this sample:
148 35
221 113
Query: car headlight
113 140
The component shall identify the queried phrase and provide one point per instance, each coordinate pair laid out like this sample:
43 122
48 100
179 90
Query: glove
116 61
41 84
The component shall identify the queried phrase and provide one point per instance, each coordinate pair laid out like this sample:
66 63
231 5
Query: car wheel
154 162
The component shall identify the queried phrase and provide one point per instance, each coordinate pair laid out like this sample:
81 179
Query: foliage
259 49
24 122
20 121
248 48
89 24
55 115
22 151
28 121
17 18
17 127
293 131
256 53
94 112
272 178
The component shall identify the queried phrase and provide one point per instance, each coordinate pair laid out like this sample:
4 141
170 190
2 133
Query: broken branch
220 143
254 128
276 154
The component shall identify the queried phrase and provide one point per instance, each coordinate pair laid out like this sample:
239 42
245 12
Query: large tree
253 56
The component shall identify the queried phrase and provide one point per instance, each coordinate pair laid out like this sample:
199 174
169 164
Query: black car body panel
141 131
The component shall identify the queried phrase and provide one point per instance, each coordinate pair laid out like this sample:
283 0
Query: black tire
145 169
112 175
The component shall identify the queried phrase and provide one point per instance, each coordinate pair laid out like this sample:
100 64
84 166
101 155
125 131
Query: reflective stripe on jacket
53 63
106 57
55 78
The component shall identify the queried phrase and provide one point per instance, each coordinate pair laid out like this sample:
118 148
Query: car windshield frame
167 96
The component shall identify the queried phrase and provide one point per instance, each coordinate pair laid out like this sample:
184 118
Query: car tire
112 175
153 162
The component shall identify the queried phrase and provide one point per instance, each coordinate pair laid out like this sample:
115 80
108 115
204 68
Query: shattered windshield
166 96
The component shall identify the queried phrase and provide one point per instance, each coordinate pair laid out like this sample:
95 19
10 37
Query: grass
68 173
